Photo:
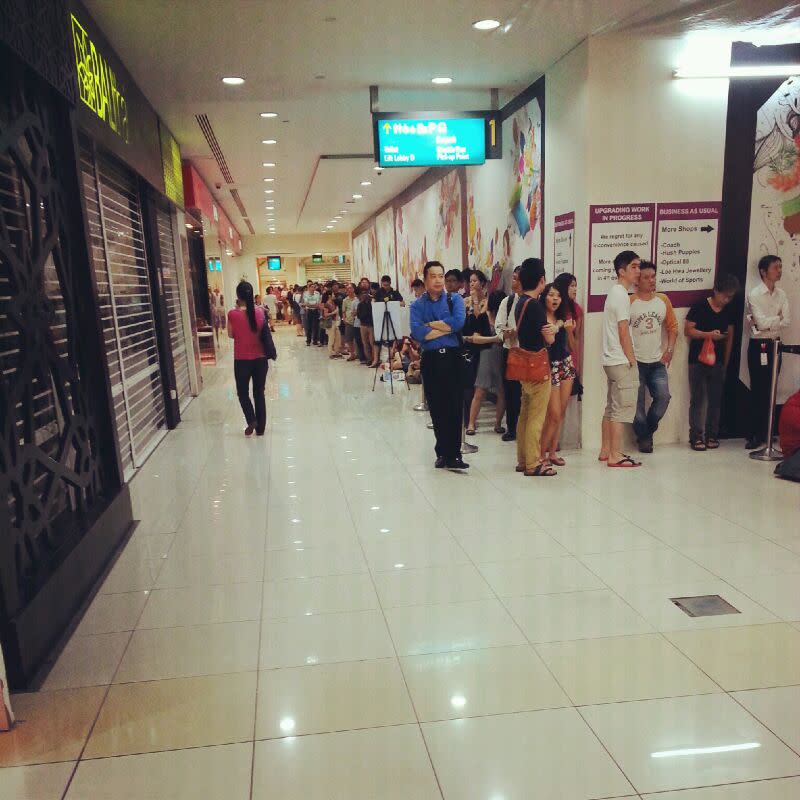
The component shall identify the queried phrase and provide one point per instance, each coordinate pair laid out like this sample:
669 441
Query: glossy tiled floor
320 615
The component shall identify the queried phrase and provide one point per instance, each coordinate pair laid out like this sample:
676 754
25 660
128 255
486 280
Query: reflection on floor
319 614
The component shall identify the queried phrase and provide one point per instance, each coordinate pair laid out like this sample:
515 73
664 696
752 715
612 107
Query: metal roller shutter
172 296
328 272
120 267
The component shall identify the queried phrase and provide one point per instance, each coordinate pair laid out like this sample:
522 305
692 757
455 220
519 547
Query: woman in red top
249 361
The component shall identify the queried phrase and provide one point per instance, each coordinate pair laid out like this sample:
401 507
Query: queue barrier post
770 452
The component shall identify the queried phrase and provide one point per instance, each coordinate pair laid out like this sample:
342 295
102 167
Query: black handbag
267 342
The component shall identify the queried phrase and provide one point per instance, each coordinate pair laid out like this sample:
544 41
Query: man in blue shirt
436 320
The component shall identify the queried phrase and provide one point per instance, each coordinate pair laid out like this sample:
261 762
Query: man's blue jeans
653 378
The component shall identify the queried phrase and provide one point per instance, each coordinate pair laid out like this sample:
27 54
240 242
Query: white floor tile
324 638
455 583
412 552
87 661
38 782
575 615
538 754
475 683
648 739
163 653
322 595
539 576
778 709
176 775
180 571
302 562
111 613
332 697
387 763
458 626
501 546
775 789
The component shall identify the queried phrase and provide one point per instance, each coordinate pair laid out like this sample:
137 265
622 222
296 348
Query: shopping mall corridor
320 614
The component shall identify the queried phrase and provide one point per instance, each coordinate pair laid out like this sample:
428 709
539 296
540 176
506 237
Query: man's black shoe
456 463
645 445
754 443
508 436
440 462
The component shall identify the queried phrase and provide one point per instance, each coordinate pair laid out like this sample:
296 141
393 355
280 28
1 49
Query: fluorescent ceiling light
234 80
269 141
268 115
366 183
442 81
700 751
267 163
269 180
269 191
486 25
754 71
328 227
357 196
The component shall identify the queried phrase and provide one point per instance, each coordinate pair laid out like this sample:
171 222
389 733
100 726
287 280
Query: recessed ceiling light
329 226
234 80
366 183
343 211
268 115
486 25
441 81
269 180
357 196
269 141
267 163
189 225
269 191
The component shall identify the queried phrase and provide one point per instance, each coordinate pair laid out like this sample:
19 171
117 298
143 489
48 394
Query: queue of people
469 342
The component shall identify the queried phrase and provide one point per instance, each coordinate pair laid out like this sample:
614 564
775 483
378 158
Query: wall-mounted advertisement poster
504 198
687 235
612 229
775 215
564 243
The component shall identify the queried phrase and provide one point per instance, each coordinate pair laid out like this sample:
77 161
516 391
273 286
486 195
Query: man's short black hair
453 273
385 279
531 273
725 283
623 259
416 282
429 264
647 265
465 274
765 262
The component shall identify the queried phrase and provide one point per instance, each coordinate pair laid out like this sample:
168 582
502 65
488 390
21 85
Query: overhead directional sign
414 141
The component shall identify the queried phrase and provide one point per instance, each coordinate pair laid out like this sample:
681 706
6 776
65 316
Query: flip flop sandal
712 444
557 460
626 462
470 431
541 471
499 429
698 445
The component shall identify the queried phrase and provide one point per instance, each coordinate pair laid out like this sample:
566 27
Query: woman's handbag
267 342
708 353
530 366
326 323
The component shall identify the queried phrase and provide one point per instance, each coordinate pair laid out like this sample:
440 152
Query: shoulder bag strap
524 309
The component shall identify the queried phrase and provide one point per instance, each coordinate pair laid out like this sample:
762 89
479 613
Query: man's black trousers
441 379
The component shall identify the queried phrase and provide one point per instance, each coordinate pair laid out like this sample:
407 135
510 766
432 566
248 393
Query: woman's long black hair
244 292
562 282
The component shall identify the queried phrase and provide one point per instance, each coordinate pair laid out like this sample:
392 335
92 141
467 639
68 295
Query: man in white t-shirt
271 304
619 362
652 325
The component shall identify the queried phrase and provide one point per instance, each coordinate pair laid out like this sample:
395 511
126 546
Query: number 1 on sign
492 133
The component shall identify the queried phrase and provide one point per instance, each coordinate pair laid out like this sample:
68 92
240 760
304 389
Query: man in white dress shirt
505 327
769 310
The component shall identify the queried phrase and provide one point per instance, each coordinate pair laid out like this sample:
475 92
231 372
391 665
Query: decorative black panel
50 474
38 32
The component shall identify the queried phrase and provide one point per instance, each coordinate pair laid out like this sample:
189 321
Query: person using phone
709 320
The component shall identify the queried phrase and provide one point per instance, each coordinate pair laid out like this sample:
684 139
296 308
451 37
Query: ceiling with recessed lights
296 134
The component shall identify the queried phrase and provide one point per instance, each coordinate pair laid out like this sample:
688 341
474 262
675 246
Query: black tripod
387 330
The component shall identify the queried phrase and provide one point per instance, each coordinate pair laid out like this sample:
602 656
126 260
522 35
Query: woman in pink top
249 361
